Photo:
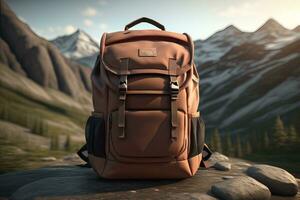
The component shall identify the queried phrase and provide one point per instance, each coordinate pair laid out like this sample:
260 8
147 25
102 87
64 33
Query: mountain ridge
78 46
40 60
271 25
253 79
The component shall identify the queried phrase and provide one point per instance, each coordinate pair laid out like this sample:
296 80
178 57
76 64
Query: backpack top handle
146 20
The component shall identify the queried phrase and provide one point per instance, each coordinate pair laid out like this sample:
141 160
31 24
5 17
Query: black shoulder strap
83 154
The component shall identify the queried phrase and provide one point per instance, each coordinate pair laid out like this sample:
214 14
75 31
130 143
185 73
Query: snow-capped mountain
217 45
247 79
213 48
78 46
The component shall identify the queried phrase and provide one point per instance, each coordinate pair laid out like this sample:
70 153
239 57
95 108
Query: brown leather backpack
145 122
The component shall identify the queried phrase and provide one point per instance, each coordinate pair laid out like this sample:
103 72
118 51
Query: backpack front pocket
95 135
197 134
147 134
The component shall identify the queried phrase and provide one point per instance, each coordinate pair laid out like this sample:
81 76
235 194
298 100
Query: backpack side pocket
95 135
197 135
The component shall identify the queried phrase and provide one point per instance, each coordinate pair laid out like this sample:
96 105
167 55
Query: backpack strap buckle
174 90
122 99
123 87
174 87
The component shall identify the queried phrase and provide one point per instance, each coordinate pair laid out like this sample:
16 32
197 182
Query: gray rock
192 196
71 157
241 188
50 158
223 166
243 164
10 182
279 181
227 177
73 182
217 157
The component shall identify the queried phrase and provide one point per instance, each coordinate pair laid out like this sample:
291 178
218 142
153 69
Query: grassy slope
30 112
26 151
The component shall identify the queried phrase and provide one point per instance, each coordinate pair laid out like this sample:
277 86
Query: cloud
103 26
69 29
240 10
88 22
54 29
89 12
286 12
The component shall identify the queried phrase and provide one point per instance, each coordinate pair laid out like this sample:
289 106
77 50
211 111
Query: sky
199 18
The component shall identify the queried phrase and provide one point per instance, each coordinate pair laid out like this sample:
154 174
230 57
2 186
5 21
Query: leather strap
192 49
206 153
122 97
147 20
174 87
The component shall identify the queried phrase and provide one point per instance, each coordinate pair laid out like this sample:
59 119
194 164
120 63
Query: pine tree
248 149
210 142
266 140
37 126
280 136
228 145
68 143
45 128
239 152
2 111
5 114
292 135
29 121
54 142
216 141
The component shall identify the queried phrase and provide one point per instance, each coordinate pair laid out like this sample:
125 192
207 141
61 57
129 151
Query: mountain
45 98
272 27
247 79
218 44
41 61
78 46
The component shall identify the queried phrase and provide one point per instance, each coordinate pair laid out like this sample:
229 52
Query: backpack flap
146 52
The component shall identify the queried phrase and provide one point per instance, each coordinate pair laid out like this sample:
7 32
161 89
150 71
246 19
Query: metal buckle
123 87
174 89
123 83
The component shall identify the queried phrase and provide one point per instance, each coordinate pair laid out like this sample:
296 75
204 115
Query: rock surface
216 157
223 166
73 182
241 188
50 158
278 180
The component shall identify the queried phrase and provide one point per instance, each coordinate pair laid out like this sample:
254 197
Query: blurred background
247 54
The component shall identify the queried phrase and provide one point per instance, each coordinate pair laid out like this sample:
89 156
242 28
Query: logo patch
149 52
